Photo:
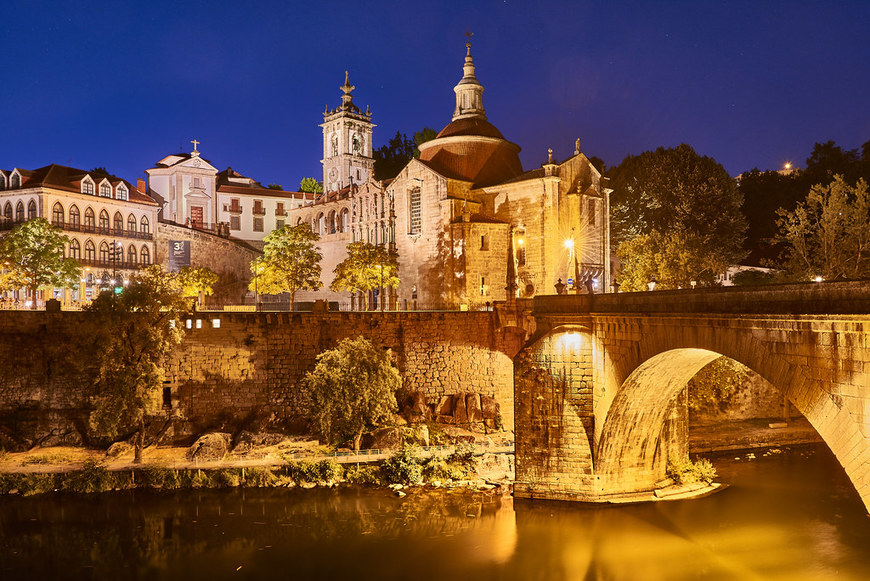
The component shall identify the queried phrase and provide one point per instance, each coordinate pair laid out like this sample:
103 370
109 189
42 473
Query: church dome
470 147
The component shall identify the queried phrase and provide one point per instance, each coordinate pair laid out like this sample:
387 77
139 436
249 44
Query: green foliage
311 186
47 458
673 258
441 469
225 478
687 472
129 336
827 235
421 137
390 159
463 454
329 470
32 257
302 472
713 386
404 466
367 267
352 388
279 187
363 475
197 280
753 277
93 477
290 262
687 209
259 477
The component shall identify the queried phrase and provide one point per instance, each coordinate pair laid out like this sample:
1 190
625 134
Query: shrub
30 484
364 474
49 458
329 470
93 477
199 479
440 469
403 467
462 455
302 472
686 472
225 478
259 478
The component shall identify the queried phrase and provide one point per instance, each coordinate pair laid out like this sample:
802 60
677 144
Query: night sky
752 84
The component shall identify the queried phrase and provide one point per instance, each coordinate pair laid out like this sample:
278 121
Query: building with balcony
110 223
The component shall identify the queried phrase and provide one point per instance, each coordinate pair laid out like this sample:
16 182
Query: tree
366 268
827 235
311 186
197 282
352 388
421 137
290 262
689 208
129 337
715 384
32 255
391 158
278 187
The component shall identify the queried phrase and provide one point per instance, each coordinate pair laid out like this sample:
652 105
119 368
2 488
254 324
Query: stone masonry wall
252 362
233 366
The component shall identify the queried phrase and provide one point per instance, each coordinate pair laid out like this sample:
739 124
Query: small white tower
347 143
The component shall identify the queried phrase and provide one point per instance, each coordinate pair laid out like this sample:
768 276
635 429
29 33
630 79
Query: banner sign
179 254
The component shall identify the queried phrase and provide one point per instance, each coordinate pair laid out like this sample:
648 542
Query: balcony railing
110 264
259 211
93 229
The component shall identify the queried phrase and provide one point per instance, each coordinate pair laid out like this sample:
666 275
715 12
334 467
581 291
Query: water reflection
786 517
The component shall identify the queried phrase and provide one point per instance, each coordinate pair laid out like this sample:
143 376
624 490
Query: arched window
90 250
143 225
87 187
105 190
104 252
31 210
90 279
320 229
344 220
74 217
57 214
131 223
19 211
145 256
90 225
131 255
75 249
104 220
15 181
2 181
330 224
118 224
7 211
121 192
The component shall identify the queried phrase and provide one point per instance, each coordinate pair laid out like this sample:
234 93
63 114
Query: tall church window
415 222
57 214
104 252
74 217
7 211
145 256
90 251
75 249
19 211
521 253
131 223
131 255
144 227
330 224
591 213
31 210
118 223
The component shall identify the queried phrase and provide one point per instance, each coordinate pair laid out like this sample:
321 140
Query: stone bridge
597 387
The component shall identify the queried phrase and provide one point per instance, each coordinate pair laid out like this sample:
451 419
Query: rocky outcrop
209 447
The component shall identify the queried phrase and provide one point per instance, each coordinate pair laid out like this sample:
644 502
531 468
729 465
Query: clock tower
347 143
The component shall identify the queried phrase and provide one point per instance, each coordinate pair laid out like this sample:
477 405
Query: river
787 516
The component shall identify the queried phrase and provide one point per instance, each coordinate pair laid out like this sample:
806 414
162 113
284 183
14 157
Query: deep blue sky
110 84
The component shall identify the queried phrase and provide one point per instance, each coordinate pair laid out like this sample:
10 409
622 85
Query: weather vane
468 35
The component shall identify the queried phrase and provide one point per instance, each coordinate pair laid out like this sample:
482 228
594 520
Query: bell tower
347 143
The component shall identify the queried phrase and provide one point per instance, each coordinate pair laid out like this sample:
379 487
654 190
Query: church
469 224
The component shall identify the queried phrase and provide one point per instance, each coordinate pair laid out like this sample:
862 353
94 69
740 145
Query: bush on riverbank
688 472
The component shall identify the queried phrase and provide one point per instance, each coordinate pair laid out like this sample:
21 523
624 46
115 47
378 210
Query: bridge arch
641 362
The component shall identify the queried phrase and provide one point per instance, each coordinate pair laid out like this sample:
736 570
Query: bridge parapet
851 297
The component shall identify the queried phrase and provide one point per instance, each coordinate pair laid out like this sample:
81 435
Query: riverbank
750 434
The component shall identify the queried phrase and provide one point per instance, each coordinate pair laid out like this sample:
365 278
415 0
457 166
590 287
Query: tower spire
347 98
469 91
